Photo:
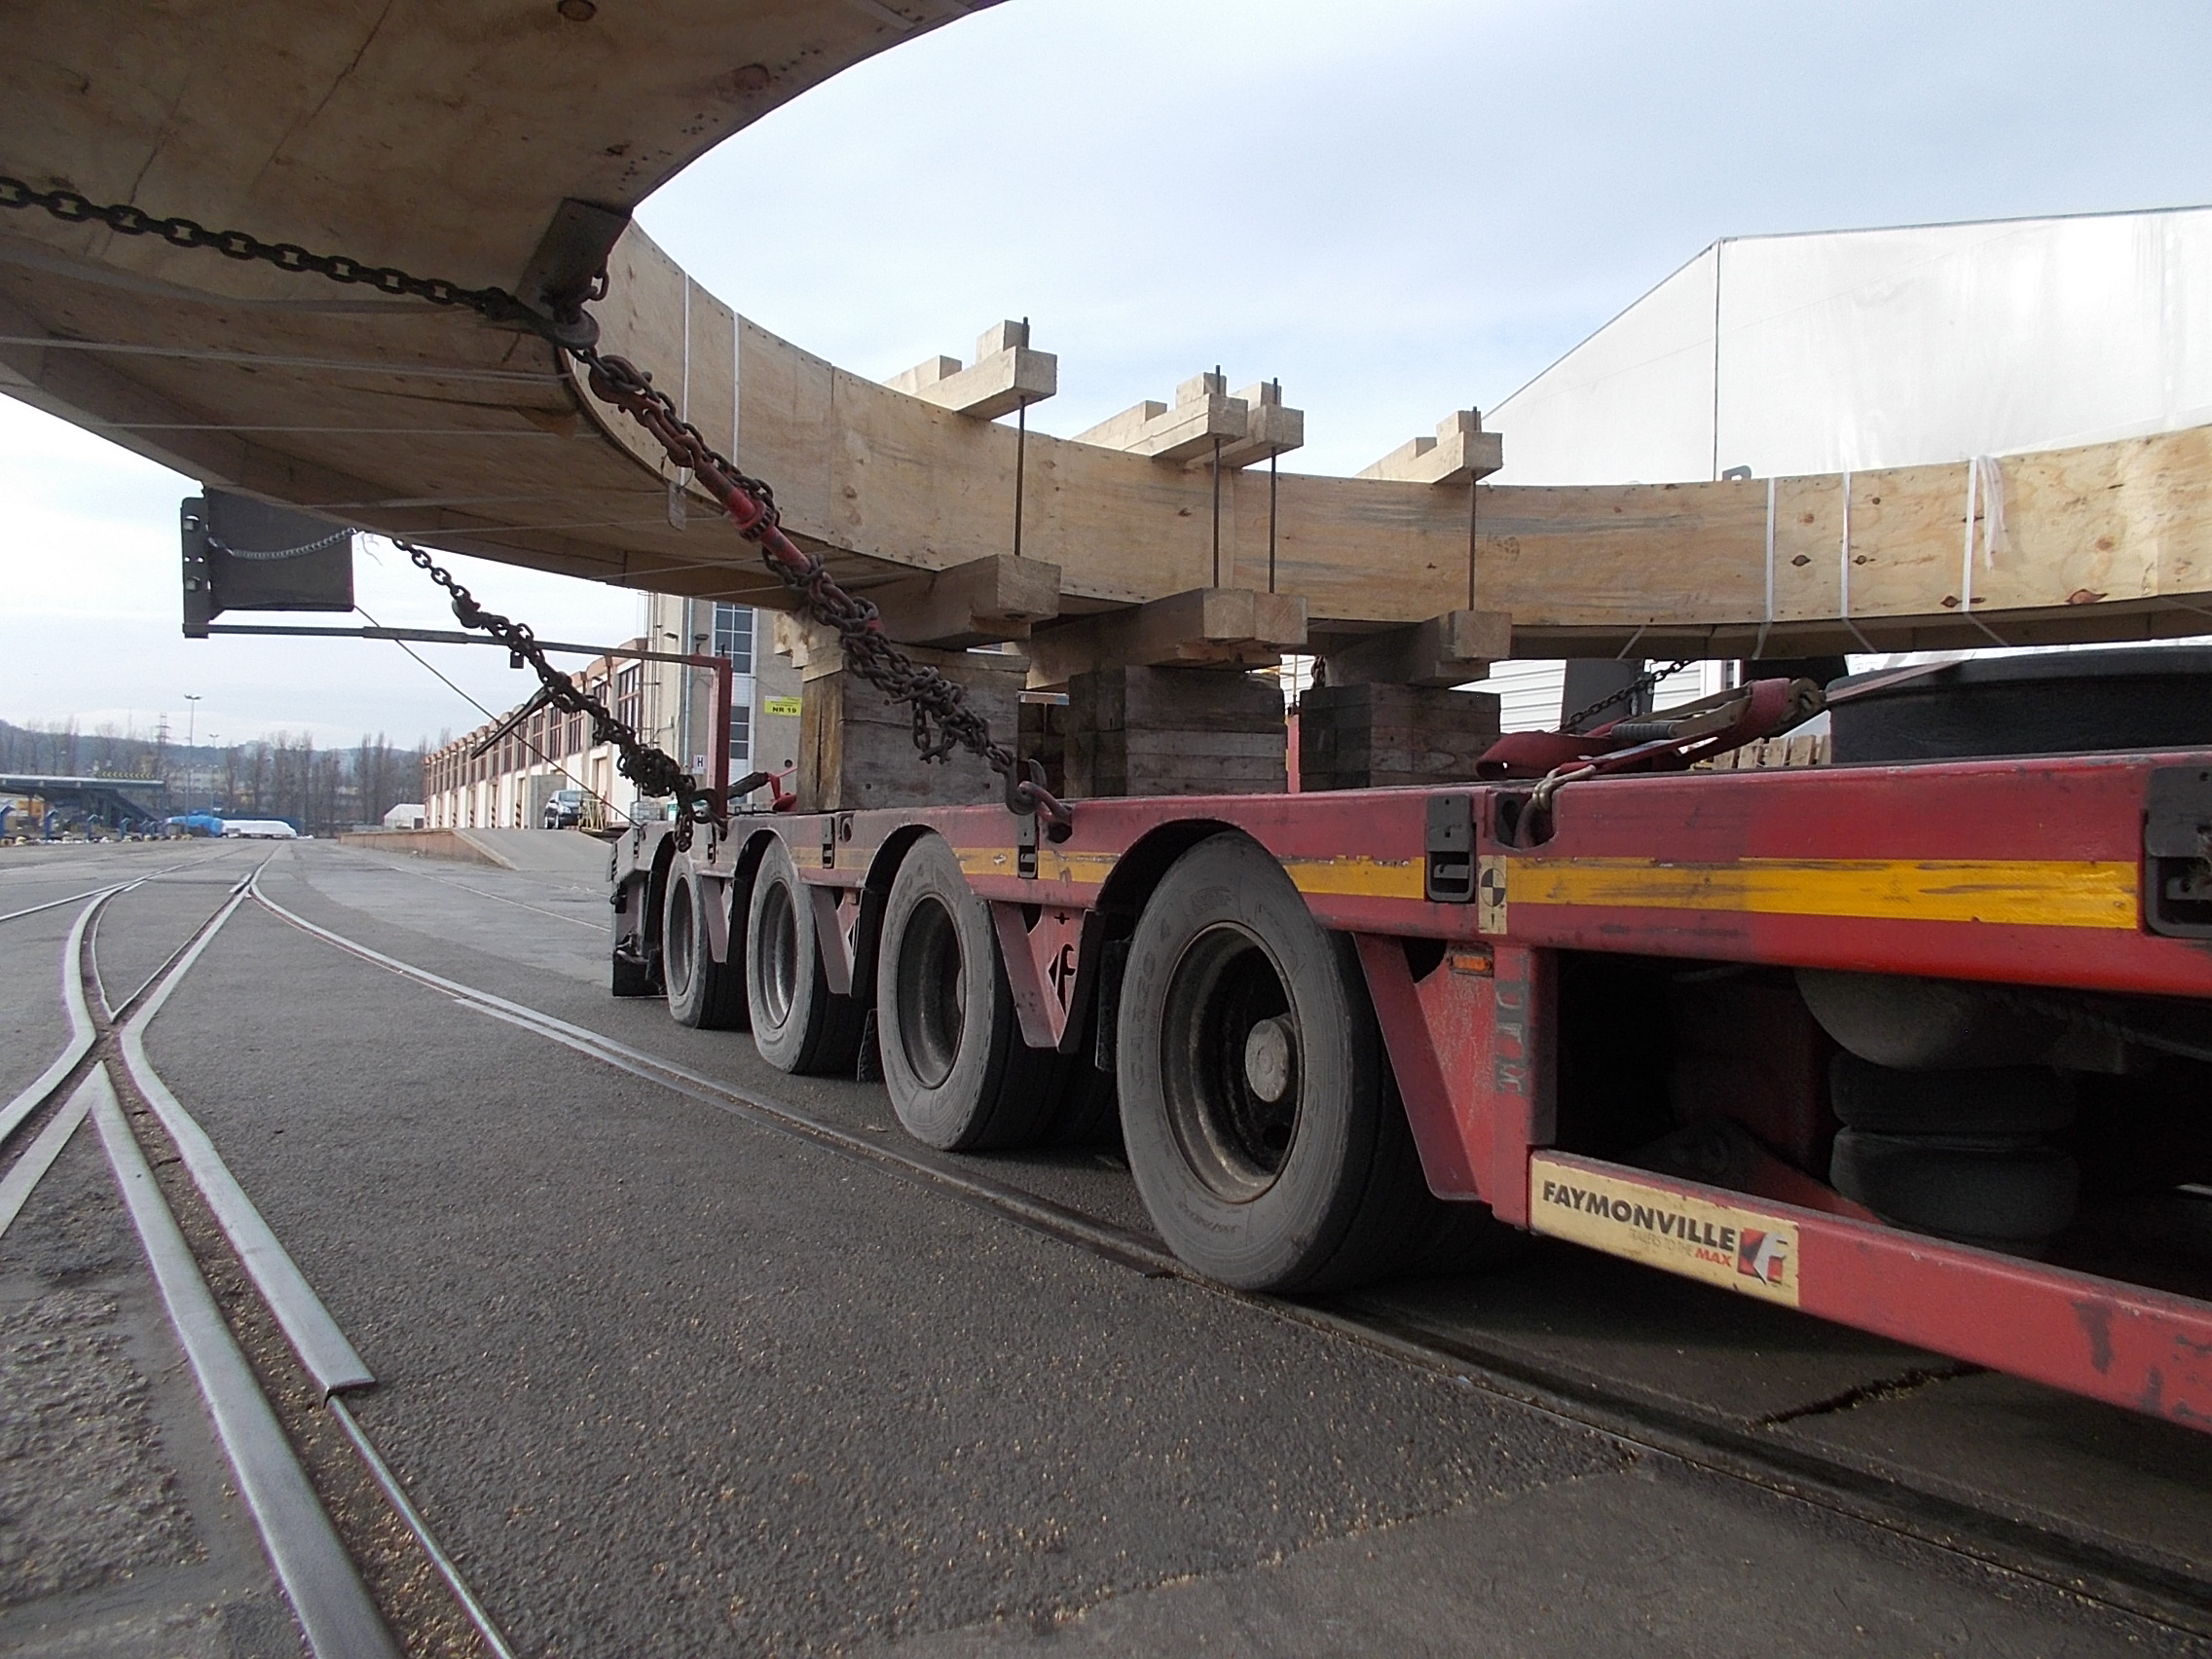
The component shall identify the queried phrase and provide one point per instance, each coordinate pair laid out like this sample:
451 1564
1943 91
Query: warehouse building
670 704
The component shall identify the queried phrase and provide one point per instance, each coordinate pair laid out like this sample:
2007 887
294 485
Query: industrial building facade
668 704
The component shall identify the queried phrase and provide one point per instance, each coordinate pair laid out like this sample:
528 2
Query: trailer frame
2040 873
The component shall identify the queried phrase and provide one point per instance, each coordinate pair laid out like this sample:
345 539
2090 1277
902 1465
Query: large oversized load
1907 1041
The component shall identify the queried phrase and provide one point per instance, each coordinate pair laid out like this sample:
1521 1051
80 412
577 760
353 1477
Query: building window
733 638
630 696
740 740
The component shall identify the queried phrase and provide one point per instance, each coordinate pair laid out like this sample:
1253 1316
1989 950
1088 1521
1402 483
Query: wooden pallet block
857 750
1387 736
1150 731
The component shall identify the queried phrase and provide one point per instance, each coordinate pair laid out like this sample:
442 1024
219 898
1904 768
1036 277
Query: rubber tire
992 1092
1347 1202
702 993
813 1033
1995 1189
2008 1100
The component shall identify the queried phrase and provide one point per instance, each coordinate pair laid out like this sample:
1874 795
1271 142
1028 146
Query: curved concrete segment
445 140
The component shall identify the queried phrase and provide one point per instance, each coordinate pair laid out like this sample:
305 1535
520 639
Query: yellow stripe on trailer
2034 893
1359 877
1089 869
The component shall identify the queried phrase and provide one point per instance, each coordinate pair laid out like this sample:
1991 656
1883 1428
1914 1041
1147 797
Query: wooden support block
1270 429
1459 452
1234 627
857 748
1391 736
1147 731
1006 375
1202 412
979 602
814 651
1446 651
1043 736
1171 700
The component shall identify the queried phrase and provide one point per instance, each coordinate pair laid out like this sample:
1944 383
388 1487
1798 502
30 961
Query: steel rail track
319 1578
90 892
80 980
1885 1497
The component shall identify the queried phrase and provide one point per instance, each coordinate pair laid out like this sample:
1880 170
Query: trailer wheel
797 1024
960 1077
1257 1106
701 991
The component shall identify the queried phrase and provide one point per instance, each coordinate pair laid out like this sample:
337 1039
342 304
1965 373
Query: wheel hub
932 982
1230 1046
1268 1059
779 926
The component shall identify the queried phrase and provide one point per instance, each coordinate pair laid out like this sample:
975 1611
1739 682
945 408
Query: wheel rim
1231 1062
778 965
932 984
676 948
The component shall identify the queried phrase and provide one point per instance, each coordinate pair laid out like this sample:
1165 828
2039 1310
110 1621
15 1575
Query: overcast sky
1398 207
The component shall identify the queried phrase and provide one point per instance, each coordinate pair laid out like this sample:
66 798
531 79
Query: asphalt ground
34 1026
665 1380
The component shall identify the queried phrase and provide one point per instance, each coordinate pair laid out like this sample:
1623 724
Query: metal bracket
565 272
2177 852
1450 849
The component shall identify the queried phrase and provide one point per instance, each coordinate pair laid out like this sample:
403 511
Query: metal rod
1271 475
452 637
1020 450
1217 512
1474 525
1218 381
1272 524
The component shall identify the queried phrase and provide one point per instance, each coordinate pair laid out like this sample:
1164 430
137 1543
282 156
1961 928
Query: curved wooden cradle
444 138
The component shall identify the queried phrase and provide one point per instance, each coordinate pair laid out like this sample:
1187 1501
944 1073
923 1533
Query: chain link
275 555
71 207
654 770
942 719
1635 687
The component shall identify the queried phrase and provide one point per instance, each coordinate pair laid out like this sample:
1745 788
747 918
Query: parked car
564 809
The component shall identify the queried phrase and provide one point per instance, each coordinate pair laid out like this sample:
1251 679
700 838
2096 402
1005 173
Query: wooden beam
1005 376
1270 428
981 603
1232 627
1443 651
1459 452
1204 412
324 393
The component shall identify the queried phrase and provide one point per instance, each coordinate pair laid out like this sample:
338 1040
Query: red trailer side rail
2029 872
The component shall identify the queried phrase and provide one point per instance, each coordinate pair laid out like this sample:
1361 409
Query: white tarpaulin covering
1894 348
1888 347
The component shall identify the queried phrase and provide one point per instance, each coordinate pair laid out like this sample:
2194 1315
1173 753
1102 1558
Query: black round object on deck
2048 703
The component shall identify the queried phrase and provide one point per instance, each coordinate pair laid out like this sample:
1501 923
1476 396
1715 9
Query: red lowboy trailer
1351 1031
